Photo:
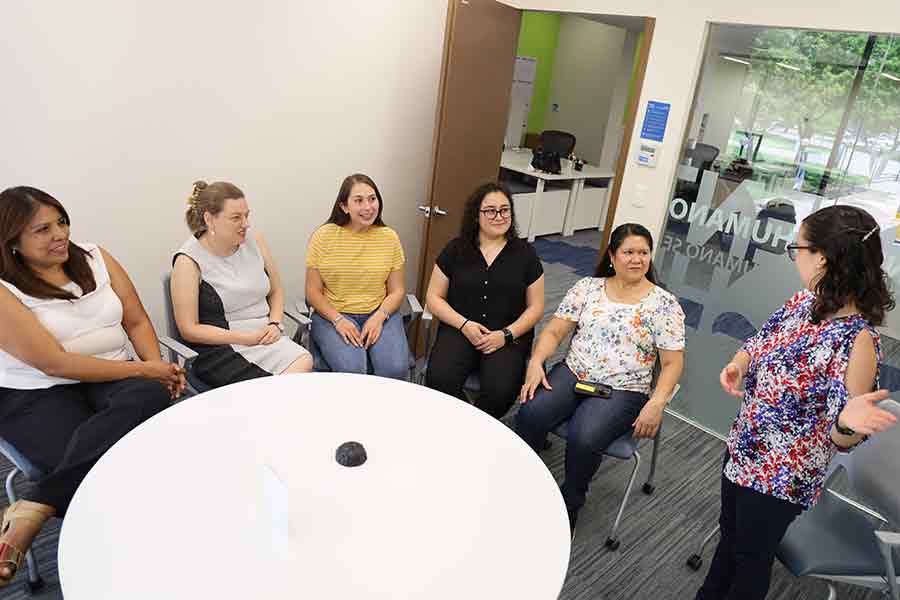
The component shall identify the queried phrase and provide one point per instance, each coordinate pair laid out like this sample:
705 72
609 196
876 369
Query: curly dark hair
470 226
619 235
848 238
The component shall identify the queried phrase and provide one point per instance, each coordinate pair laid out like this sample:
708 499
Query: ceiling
624 21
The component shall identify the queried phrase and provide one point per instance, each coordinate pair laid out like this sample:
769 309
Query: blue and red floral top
780 443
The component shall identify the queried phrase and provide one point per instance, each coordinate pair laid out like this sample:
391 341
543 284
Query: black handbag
548 162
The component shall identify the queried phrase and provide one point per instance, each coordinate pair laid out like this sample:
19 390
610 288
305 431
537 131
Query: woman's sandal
10 556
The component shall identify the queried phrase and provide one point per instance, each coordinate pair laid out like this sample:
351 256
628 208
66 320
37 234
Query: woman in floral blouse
622 321
808 377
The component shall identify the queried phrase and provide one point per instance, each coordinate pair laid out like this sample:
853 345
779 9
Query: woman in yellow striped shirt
354 281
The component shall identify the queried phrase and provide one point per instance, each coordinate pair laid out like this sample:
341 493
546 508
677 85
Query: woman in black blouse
487 291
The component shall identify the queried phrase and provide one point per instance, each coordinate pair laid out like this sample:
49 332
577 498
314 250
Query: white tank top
91 324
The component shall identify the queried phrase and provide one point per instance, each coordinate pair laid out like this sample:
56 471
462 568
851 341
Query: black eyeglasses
792 250
491 213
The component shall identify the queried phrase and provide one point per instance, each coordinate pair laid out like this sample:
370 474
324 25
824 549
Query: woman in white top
68 387
622 322
227 293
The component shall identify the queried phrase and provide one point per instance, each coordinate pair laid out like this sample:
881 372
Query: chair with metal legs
22 466
845 540
625 448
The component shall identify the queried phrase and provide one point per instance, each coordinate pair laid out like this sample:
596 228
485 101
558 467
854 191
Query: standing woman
487 290
69 389
227 294
354 281
808 377
622 322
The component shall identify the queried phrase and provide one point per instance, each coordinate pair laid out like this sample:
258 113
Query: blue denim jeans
594 423
389 355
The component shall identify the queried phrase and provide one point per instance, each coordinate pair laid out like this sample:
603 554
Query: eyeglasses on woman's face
793 248
492 212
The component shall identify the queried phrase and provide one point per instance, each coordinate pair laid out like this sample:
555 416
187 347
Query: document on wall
526 69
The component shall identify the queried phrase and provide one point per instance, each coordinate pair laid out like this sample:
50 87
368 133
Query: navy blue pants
751 527
594 423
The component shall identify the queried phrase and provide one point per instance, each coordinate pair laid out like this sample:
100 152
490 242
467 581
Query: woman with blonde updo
227 294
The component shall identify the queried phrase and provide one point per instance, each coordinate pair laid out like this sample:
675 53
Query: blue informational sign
655 119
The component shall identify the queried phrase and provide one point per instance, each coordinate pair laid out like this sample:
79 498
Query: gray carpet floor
658 533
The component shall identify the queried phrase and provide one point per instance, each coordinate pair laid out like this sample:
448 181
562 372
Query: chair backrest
561 142
874 469
171 326
702 157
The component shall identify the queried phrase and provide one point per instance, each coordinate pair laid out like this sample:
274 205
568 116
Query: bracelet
843 430
463 325
276 324
386 314
337 320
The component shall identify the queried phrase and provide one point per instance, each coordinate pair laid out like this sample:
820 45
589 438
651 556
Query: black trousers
65 429
501 373
751 527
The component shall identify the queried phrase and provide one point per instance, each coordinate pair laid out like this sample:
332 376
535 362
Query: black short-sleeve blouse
493 296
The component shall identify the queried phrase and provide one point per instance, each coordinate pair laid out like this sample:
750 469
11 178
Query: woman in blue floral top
622 321
808 377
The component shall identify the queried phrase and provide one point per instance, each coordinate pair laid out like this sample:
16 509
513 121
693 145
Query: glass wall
784 122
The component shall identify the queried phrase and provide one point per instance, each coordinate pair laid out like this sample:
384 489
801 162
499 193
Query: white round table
451 504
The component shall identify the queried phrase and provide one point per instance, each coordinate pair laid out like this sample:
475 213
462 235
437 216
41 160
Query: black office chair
702 158
561 142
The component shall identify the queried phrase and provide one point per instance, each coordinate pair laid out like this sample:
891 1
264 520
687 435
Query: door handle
439 211
426 210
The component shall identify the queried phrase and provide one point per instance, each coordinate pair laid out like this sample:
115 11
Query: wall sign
655 118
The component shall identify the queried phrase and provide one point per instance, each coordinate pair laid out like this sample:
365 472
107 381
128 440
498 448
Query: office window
784 122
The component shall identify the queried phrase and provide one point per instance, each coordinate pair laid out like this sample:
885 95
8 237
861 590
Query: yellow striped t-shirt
355 266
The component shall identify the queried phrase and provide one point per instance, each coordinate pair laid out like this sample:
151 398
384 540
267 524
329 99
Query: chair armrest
299 318
414 306
177 347
429 320
301 307
889 538
860 507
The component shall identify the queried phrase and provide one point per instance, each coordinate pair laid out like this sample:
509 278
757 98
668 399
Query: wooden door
476 78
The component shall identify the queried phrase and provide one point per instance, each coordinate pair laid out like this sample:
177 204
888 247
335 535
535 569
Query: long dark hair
17 207
470 227
338 216
619 234
848 238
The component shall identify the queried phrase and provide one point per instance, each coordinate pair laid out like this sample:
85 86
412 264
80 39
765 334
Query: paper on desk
277 510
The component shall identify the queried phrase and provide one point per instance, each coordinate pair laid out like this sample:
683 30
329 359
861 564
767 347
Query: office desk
519 161
451 504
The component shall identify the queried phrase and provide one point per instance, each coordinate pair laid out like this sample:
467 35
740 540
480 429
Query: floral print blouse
780 443
615 343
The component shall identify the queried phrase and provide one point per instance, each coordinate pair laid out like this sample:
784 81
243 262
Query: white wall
585 70
721 90
615 123
675 58
116 106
